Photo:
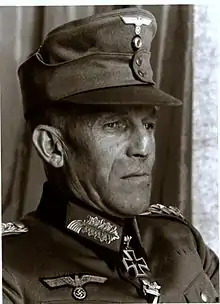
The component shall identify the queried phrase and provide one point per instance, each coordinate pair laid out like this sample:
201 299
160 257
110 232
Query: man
92 104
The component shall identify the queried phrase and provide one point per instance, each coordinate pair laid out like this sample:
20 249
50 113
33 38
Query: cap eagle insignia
137 21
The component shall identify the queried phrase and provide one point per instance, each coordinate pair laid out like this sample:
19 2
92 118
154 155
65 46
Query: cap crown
106 33
98 52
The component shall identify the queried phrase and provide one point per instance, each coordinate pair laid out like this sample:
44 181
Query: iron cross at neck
138 268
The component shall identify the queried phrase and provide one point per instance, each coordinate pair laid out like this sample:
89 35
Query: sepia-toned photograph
109 153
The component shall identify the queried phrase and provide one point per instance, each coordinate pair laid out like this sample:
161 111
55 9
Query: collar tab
93 226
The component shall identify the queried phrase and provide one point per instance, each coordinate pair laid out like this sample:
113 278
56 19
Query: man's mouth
136 175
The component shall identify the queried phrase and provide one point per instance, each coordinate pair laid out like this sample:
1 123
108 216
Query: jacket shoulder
161 210
180 231
13 228
21 241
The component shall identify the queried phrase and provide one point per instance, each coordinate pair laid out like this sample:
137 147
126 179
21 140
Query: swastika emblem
79 293
139 266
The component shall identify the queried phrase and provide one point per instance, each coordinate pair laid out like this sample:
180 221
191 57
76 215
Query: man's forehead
118 109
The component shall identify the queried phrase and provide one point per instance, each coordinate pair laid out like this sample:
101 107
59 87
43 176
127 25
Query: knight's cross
132 263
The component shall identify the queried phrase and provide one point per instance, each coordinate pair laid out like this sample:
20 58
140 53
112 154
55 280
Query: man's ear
47 141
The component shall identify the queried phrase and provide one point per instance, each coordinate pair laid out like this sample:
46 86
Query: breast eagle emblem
77 283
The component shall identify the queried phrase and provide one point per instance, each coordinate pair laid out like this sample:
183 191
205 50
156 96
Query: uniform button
204 297
139 61
140 66
142 74
137 42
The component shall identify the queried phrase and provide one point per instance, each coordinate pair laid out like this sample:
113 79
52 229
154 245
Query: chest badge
77 283
139 266
139 270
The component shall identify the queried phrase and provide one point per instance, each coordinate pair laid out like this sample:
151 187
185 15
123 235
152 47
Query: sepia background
186 167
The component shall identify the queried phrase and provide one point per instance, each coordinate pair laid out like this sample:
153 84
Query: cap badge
99 229
138 21
79 292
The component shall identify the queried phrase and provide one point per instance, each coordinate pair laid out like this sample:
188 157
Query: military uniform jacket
49 258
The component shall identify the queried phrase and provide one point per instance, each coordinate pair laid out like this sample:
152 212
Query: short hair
54 115
58 114
62 116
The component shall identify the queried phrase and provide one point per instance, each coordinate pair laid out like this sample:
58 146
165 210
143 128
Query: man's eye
150 126
115 125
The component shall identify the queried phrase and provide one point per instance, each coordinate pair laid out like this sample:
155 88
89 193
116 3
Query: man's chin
130 210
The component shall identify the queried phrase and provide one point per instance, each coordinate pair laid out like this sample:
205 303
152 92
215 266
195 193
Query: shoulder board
164 210
11 228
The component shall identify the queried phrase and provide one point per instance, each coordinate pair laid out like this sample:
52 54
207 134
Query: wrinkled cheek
103 172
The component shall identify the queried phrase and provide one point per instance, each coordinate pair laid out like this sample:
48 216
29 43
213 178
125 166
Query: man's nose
141 143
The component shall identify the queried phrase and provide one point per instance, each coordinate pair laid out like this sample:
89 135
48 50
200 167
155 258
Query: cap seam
38 55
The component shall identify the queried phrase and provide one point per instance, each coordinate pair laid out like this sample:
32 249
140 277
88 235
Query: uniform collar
94 226
81 221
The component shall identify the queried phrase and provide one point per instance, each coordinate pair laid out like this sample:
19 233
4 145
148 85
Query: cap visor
133 94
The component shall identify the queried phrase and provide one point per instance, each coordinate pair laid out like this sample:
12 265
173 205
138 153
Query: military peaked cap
100 59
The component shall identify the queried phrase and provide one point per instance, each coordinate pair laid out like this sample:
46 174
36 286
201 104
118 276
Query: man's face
110 158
